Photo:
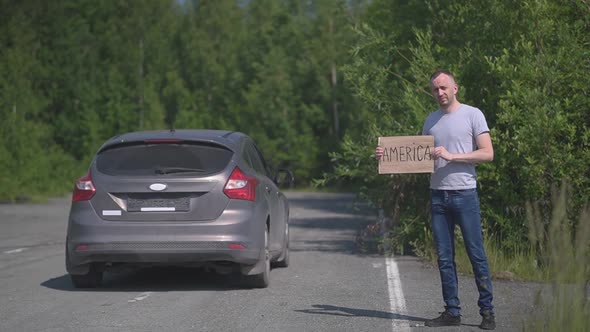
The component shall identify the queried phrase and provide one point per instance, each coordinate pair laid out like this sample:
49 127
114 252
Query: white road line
396 296
140 297
14 251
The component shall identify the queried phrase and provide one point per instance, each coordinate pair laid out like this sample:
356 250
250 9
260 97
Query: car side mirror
284 178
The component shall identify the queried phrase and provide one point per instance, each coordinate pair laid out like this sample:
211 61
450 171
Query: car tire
284 258
92 279
262 280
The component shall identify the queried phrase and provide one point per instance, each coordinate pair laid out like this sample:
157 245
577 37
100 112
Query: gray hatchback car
179 197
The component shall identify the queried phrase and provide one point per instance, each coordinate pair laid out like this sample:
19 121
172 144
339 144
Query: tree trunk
334 81
140 85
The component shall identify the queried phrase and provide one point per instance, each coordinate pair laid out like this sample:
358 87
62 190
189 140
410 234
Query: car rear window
164 159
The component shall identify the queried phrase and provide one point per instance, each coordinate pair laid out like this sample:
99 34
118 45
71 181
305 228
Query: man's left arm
484 152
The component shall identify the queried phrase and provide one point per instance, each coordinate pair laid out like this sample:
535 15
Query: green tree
210 44
31 162
542 119
523 63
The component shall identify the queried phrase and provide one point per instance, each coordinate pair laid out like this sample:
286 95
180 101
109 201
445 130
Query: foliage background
75 73
314 82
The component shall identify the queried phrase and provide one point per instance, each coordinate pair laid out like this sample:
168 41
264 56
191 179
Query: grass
315 189
567 247
563 247
30 199
521 266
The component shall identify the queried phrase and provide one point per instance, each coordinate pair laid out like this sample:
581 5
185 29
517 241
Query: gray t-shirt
455 131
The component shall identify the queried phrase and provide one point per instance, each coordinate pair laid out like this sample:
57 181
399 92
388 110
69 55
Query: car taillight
83 189
240 186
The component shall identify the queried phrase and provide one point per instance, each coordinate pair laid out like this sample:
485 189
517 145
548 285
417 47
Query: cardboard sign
406 154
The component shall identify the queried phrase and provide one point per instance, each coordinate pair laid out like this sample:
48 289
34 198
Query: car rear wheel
92 279
262 280
283 260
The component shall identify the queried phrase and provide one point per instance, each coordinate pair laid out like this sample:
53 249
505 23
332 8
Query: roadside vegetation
562 250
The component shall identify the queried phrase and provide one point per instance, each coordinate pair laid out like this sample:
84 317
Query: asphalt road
330 285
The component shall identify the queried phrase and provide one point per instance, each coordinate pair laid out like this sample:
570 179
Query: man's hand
441 152
484 152
378 152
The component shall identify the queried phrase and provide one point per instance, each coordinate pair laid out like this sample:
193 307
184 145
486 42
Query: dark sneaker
445 319
488 321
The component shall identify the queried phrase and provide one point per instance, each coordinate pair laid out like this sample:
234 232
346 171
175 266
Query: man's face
443 89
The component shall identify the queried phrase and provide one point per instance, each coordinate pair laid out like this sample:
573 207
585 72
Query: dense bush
525 64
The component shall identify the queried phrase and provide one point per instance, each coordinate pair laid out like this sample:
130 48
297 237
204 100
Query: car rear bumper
176 253
237 236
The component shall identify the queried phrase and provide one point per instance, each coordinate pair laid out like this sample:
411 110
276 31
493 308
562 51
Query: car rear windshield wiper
170 170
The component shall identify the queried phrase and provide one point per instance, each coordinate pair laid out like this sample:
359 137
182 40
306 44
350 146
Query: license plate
178 204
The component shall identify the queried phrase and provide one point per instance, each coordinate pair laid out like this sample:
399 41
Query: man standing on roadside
462 140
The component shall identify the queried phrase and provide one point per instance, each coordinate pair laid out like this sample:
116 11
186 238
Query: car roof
229 139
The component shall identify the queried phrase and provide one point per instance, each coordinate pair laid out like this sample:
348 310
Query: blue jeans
460 207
